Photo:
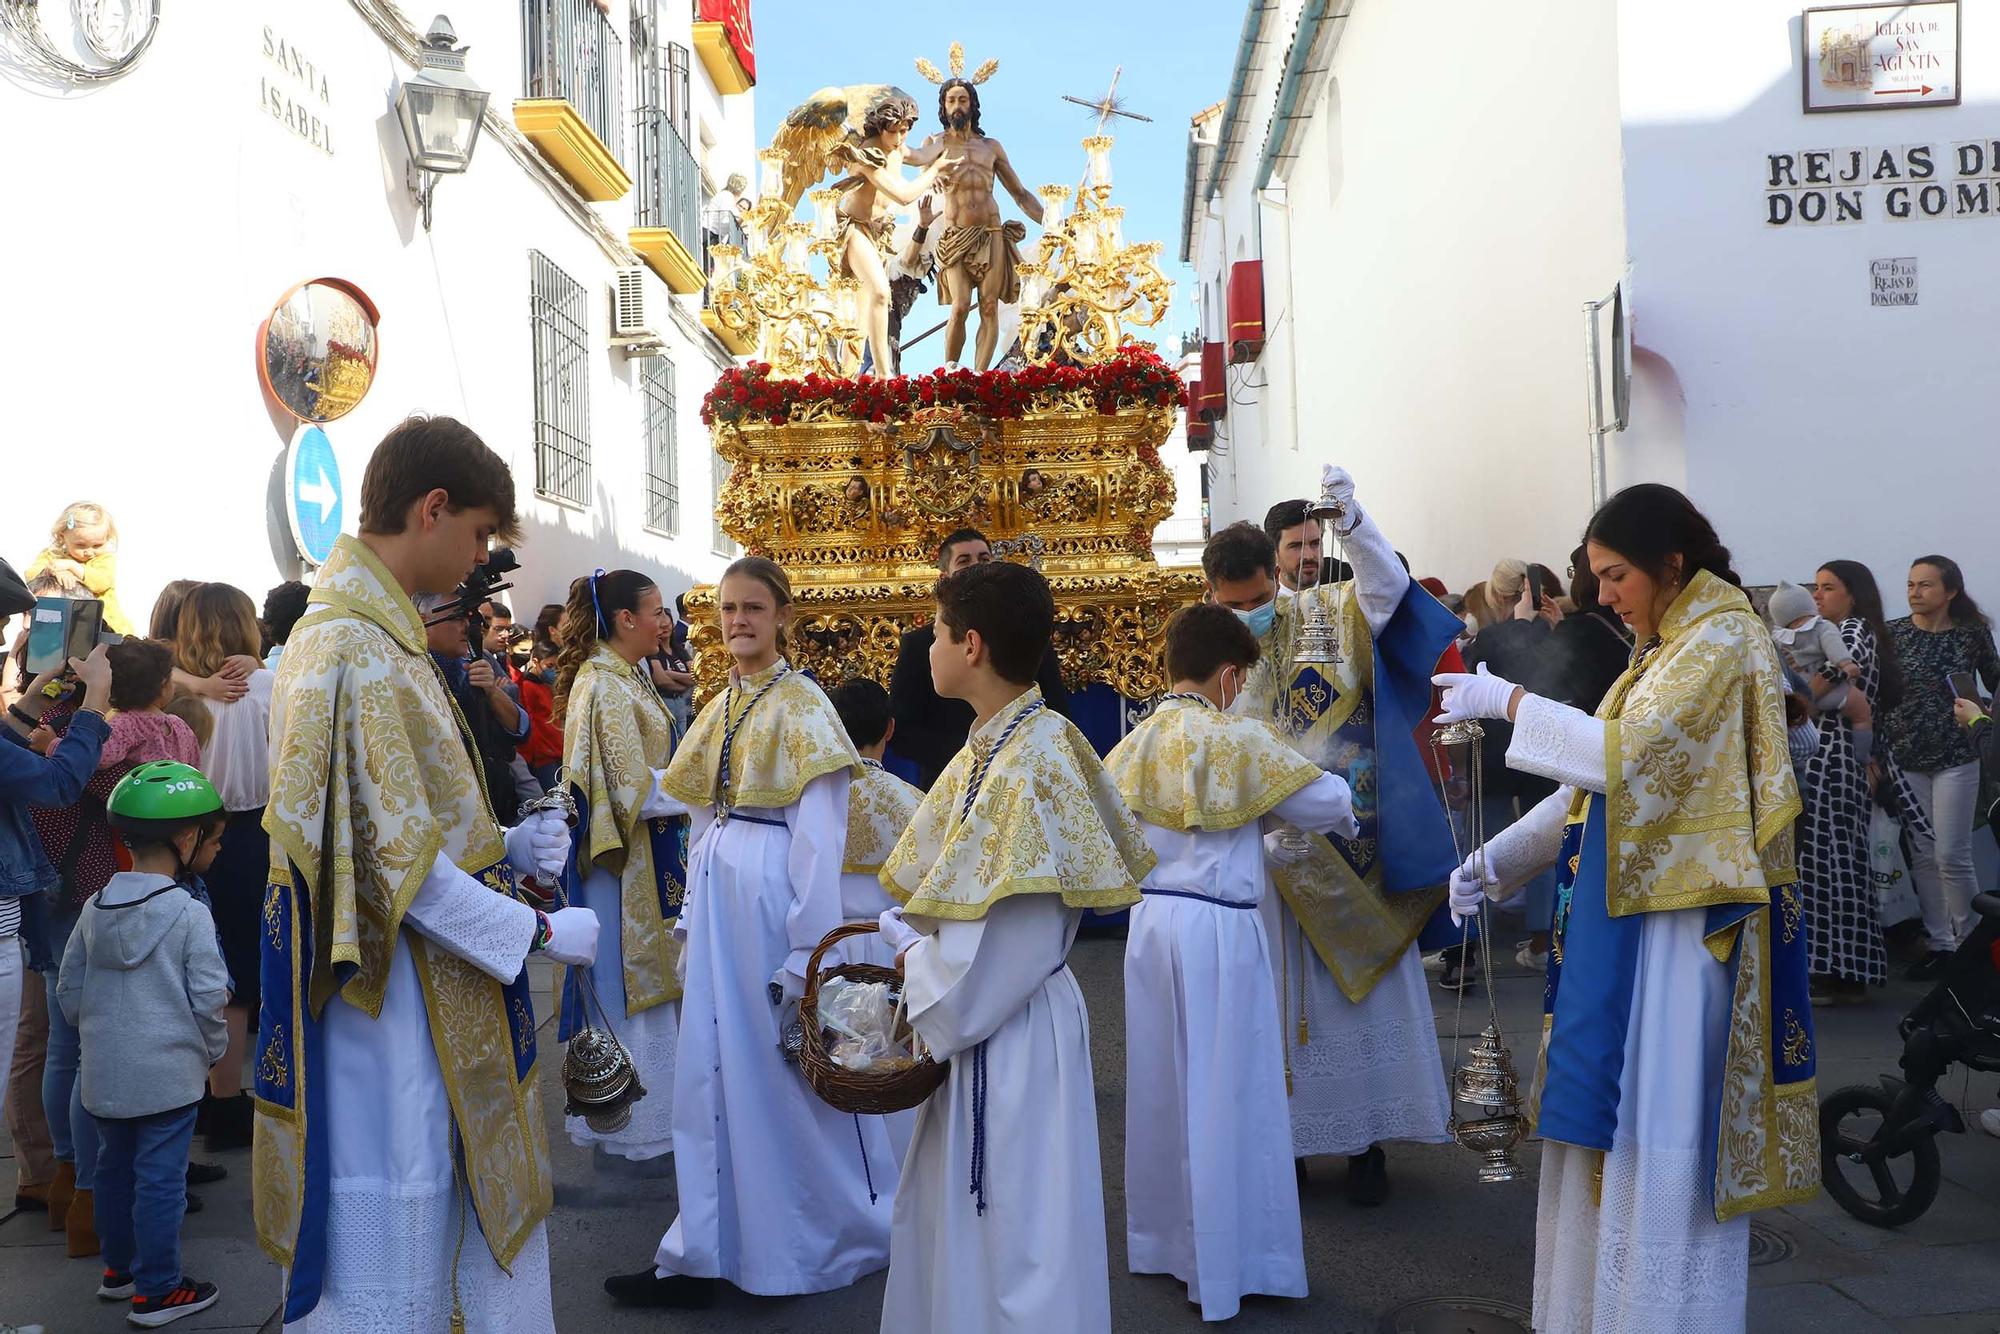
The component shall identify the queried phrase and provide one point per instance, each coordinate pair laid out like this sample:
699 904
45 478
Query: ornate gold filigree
863 575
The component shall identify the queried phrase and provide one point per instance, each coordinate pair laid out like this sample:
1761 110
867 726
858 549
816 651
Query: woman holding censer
1674 1086
631 846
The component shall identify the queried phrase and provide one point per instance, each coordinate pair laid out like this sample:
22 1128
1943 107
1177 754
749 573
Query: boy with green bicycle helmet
143 981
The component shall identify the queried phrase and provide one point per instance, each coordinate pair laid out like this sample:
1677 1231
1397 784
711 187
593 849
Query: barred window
680 104
663 488
718 472
562 382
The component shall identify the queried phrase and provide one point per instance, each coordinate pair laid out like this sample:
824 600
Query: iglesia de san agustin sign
1808 187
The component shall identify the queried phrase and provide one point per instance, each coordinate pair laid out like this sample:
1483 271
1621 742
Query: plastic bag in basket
863 1021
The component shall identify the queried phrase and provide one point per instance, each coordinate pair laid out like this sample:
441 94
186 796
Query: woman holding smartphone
1944 635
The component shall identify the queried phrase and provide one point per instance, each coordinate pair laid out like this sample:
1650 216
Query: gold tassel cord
1285 1002
1305 1033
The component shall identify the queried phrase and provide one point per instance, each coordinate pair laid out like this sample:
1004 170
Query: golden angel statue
864 127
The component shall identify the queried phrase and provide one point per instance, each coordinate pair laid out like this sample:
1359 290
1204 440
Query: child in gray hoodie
144 983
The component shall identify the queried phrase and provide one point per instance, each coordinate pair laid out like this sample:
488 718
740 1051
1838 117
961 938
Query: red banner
734 16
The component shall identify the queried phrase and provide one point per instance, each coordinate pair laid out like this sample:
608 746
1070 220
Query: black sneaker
1819 989
187 1297
1930 967
115 1287
205 1174
675 1292
1458 976
193 1205
1368 1178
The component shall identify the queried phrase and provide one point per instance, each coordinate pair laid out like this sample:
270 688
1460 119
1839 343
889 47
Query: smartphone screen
1965 686
60 629
1535 590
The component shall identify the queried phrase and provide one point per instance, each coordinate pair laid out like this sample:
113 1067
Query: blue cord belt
1190 894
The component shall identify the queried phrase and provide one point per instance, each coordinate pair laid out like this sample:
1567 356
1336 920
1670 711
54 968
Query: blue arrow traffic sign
313 498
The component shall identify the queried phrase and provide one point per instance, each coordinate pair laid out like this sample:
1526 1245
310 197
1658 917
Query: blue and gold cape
371 781
616 733
1697 814
1362 901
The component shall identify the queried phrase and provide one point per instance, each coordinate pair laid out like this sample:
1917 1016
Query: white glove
1278 852
899 934
786 990
572 936
786 986
539 846
1336 485
1468 892
1477 694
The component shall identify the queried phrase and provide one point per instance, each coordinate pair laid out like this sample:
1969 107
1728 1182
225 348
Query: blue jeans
141 1195
72 1130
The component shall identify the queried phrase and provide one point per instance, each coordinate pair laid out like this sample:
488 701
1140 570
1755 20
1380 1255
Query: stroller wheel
1885 1191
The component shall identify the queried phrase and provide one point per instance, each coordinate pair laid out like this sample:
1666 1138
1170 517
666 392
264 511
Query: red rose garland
1135 377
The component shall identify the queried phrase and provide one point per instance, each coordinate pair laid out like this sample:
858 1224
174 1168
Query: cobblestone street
1440 1235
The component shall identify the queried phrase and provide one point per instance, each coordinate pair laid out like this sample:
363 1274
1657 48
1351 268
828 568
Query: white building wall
173 213
1809 424
1453 205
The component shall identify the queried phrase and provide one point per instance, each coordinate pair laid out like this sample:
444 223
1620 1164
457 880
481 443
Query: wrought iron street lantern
440 110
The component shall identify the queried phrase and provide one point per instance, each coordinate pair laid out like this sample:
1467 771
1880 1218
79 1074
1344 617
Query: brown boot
82 1226
60 1191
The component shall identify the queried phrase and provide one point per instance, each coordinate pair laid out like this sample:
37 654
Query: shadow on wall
1653 445
560 543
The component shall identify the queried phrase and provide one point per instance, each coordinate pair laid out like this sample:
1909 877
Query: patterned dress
1844 930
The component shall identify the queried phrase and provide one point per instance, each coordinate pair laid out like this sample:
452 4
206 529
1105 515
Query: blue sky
1176 54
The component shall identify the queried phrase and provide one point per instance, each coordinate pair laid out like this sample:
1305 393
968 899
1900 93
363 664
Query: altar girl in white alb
779 1193
1000 1221
631 845
1210 1193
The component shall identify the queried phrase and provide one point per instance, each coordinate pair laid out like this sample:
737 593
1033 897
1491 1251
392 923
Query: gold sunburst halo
955 59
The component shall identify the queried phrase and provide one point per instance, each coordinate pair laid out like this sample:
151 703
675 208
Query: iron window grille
560 323
571 51
669 180
663 490
718 473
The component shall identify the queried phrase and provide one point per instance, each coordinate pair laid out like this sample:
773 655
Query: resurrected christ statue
976 250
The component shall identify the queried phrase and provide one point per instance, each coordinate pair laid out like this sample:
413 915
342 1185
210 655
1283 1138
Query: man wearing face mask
1345 919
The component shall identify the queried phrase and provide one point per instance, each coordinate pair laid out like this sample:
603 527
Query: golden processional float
850 479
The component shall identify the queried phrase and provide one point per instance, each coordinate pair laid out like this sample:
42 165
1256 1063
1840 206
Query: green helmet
162 791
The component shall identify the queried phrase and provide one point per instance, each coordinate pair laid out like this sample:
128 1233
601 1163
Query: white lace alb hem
1650 1260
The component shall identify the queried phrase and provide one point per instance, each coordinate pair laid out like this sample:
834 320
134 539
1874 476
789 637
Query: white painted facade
1465 177
1809 424
157 218
1451 202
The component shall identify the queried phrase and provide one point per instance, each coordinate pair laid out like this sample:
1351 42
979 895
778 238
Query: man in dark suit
930 730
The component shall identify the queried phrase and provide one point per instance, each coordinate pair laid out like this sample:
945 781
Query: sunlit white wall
1808 423
156 219
1454 203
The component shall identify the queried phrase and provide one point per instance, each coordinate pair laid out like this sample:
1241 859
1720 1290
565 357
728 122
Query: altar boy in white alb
1210 1195
999 1223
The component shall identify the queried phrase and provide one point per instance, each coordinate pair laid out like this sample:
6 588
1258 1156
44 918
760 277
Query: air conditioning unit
628 316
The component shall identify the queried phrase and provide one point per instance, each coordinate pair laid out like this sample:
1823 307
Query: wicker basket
868 1092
